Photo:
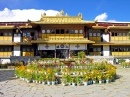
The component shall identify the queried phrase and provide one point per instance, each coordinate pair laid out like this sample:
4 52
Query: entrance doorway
62 53
46 53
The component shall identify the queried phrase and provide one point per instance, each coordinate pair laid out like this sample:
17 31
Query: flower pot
43 82
28 81
53 82
85 83
40 82
36 81
107 81
100 81
48 82
69 84
33 81
94 81
73 84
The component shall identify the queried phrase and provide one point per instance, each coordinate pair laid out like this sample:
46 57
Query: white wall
43 47
81 47
105 37
17 51
106 51
3 61
17 38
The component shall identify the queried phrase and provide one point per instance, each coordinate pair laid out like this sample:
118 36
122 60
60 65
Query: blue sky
109 10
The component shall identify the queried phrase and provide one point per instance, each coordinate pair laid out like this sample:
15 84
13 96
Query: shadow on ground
6 75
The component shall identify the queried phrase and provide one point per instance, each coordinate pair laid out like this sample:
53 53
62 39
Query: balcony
62 40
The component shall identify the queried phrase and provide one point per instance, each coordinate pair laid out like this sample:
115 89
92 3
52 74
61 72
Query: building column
106 50
55 53
16 50
69 53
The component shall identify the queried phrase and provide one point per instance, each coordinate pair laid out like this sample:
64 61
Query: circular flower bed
53 72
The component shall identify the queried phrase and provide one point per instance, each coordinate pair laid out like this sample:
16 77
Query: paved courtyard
12 87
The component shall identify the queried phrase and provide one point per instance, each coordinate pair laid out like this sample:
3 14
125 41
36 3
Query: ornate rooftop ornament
80 15
62 12
44 14
66 14
57 14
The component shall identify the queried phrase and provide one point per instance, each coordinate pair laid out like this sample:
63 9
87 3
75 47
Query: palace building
63 36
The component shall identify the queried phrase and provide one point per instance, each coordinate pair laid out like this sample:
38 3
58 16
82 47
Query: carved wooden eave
118 27
23 43
7 27
25 27
64 41
98 27
7 43
113 43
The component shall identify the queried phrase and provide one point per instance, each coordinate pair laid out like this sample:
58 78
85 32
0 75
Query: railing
47 39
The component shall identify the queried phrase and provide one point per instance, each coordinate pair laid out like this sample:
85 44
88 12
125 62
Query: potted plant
78 80
85 79
99 77
73 81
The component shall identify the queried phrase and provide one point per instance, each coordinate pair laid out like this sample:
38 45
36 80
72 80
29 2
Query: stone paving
12 87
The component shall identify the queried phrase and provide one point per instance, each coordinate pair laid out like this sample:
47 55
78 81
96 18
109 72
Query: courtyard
13 87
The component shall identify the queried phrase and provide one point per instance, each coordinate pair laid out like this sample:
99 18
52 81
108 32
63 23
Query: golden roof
7 43
118 27
7 27
113 43
61 19
98 27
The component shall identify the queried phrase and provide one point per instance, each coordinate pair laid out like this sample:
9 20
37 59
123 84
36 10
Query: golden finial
66 14
62 12
57 14
80 15
44 14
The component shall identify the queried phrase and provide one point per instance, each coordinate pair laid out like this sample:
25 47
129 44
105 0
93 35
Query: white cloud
24 15
101 17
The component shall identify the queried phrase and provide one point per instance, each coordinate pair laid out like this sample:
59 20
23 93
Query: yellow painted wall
95 38
5 38
27 53
120 53
5 54
119 38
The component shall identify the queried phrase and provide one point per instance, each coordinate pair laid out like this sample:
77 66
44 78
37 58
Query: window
5 34
112 33
98 34
27 49
76 31
43 31
90 34
10 34
115 34
52 31
94 34
80 31
1 34
66 31
124 34
48 31
57 31
62 31
98 49
71 31
24 33
119 34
